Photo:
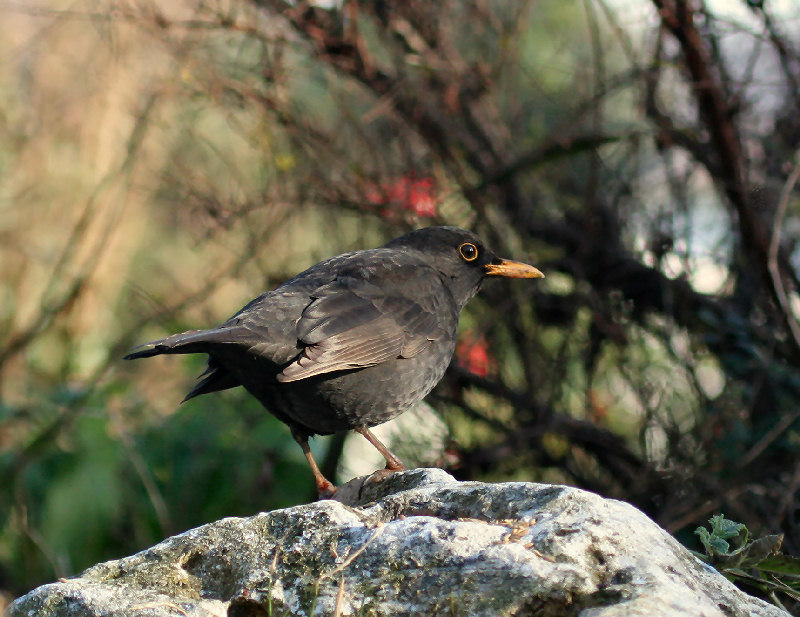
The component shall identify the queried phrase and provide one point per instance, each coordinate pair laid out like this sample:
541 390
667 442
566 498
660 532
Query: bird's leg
325 488
392 462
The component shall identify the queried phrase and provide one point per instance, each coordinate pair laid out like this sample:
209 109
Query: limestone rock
417 543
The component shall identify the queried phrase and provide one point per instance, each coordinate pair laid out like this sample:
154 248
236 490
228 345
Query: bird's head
462 258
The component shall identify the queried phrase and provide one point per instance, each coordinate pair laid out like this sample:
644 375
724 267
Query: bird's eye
468 251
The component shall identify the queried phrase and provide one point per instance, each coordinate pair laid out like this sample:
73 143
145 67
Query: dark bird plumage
351 342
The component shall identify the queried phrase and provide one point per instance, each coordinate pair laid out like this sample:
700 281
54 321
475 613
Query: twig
350 559
789 494
774 246
337 610
50 309
143 471
767 439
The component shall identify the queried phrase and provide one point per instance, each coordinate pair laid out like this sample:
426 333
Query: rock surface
417 543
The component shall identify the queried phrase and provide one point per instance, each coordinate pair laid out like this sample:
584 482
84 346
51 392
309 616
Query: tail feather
217 378
193 341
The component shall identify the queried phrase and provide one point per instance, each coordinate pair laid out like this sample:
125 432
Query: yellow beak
513 270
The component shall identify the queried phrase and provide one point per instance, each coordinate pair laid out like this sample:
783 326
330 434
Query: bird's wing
356 321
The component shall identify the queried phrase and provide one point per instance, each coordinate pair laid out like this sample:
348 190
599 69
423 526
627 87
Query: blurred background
162 162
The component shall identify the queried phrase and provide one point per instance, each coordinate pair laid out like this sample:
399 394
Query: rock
417 543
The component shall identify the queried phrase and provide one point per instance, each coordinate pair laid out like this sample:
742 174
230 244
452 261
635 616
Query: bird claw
326 491
380 475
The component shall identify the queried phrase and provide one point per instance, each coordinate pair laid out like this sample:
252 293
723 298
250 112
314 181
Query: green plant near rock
750 562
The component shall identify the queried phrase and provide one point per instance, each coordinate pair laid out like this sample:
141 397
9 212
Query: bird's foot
325 490
381 474
392 462
394 465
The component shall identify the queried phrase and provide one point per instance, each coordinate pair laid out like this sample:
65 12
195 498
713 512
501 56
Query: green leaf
751 554
780 564
712 543
724 528
716 541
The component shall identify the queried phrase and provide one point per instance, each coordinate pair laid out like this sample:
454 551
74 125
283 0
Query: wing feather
353 323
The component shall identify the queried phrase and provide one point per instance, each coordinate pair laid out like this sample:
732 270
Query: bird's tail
216 376
193 341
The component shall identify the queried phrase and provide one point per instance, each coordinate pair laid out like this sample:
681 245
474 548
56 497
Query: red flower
472 354
416 195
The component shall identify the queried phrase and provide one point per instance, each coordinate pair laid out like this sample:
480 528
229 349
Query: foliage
751 563
716 541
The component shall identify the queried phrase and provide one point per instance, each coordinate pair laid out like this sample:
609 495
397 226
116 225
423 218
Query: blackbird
351 342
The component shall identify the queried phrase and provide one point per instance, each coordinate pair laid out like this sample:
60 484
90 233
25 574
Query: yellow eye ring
468 251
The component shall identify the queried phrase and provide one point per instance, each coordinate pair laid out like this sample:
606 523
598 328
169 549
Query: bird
353 341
